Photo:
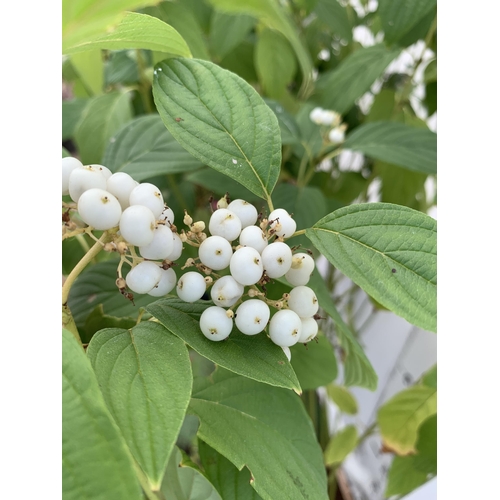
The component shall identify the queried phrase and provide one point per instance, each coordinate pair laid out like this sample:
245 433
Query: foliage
207 97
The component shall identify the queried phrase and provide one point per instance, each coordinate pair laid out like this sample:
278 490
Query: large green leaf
314 363
186 483
290 132
252 356
231 483
389 251
101 119
334 15
227 31
137 31
357 367
71 113
265 429
396 143
340 88
144 148
400 16
400 418
96 461
343 398
341 444
275 62
273 15
82 19
403 478
221 120
145 376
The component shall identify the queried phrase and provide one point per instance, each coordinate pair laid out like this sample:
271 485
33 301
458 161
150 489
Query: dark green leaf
265 429
102 118
227 31
145 376
71 115
120 68
343 398
96 461
426 458
315 363
430 378
97 320
290 132
335 16
341 444
398 17
340 88
403 478
396 143
231 483
382 107
430 100
389 251
224 122
145 148
255 357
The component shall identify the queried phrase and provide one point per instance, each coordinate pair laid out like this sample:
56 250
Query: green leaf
343 398
403 478
255 357
220 184
83 19
272 15
389 251
426 458
396 143
398 17
357 367
224 122
121 68
340 445
102 118
97 320
96 461
145 376
71 114
340 88
186 483
400 417
335 17
430 378
315 363
183 19
383 106
97 286
275 62
89 72
137 31
265 429
227 31
231 483
290 132
144 148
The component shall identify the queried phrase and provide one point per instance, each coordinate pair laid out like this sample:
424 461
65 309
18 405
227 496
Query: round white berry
316 115
148 195
68 165
99 208
336 135
167 215
137 225
177 251
309 330
245 211
226 291
84 178
143 277
166 284
215 324
252 316
253 236
285 327
301 270
277 259
282 217
121 185
215 252
225 223
161 246
191 286
246 266
303 301
104 170
287 352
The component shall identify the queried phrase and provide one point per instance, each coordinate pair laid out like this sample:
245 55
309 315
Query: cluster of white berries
105 201
255 253
332 119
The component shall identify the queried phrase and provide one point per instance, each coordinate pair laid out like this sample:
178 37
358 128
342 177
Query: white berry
309 330
104 170
167 215
225 223
253 236
121 185
161 246
303 301
245 211
166 284
191 286
177 251
301 270
252 316
285 327
226 291
288 225
84 178
137 225
148 195
68 165
246 266
287 352
215 324
215 252
99 208
143 277
277 259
